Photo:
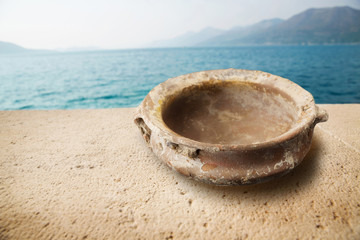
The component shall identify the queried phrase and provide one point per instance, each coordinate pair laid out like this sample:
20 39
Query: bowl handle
139 121
321 115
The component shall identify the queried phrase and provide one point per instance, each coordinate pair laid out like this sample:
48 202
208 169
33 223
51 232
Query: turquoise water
122 78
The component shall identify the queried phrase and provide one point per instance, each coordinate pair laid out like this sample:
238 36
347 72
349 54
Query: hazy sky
113 24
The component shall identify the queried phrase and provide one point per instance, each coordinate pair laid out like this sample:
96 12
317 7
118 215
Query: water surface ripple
122 78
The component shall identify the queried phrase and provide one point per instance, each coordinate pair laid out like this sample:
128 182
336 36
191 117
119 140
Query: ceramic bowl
229 127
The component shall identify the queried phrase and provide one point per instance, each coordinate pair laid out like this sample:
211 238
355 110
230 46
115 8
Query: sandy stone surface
88 174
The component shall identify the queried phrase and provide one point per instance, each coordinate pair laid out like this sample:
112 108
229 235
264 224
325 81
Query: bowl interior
230 112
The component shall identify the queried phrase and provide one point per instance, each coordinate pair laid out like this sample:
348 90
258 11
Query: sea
122 78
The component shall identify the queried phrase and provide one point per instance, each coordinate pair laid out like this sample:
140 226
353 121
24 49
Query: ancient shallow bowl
229 126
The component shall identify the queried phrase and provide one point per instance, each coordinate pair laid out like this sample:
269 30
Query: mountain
313 26
188 39
6 47
230 36
9 48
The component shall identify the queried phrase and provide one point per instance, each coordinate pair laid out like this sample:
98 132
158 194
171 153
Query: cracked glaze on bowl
229 127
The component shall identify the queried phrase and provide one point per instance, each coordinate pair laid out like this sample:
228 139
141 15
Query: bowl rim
152 106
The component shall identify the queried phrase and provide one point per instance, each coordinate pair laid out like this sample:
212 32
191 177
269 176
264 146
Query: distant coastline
312 27
44 51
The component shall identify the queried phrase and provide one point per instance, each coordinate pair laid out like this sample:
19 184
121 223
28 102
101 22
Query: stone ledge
76 174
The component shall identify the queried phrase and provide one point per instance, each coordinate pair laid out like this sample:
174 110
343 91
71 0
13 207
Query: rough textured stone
88 174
